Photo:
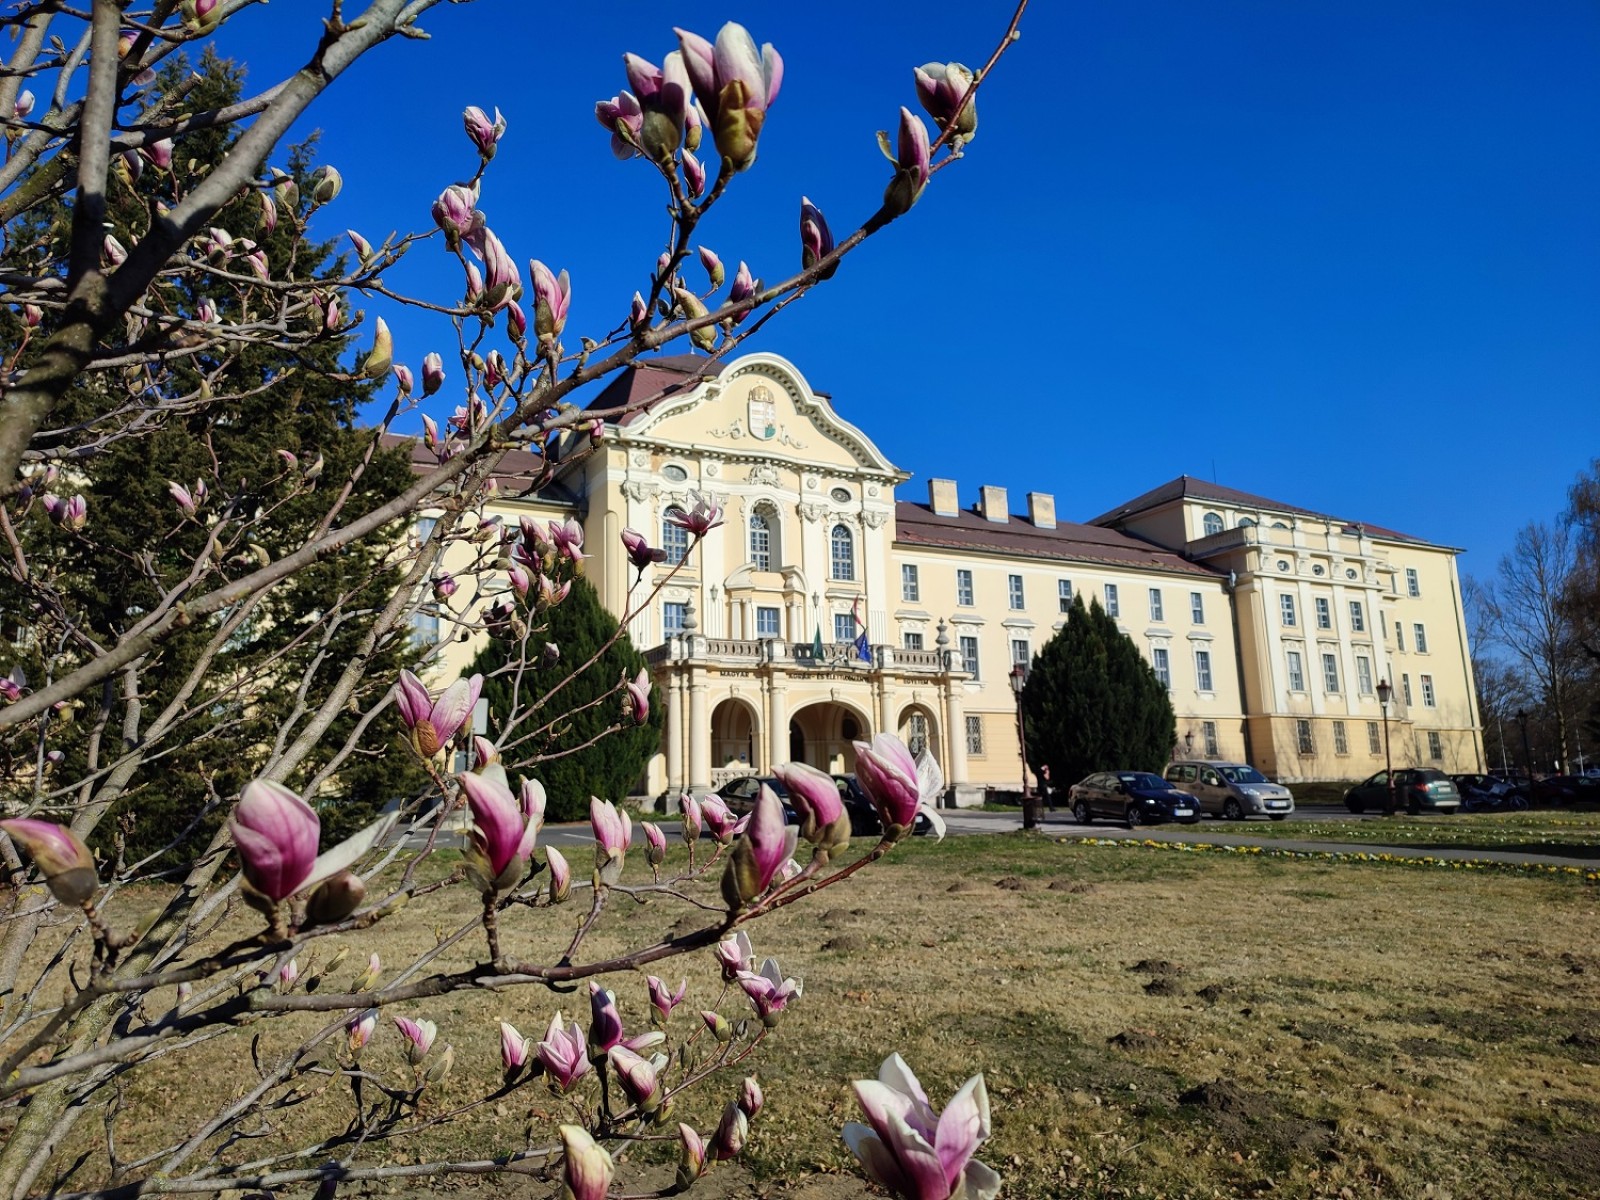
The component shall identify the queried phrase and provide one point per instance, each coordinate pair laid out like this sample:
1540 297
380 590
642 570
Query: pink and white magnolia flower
714 269
663 1000
605 1022
769 991
564 1053
750 1097
552 299
613 832
719 820
638 1078
515 1050
692 821
485 134
419 1036
732 1132
567 538
823 820
60 855
502 281
744 286
816 239
502 836
276 833
560 875
289 975
456 213
586 1168
704 515
735 954
912 1151
911 165
757 856
694 171
432 373
640 552
624 117
691 1155
898 784
434 722
735 84
636 697
360 1029
941 87
655 843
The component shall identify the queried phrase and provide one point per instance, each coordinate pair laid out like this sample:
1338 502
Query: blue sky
1346 255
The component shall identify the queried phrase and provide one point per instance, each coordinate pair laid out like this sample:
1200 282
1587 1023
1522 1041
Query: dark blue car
1133 797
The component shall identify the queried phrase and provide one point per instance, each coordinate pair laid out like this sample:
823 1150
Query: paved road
962 821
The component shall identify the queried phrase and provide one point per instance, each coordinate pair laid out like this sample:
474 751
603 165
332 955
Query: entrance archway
821 736
735 730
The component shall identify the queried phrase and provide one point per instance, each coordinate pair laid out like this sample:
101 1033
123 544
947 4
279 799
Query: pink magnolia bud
636 700
757 855
326 184
560 875
432 374
330 314
816 239
269 215
613 831
586 1168
717 1025
713 266
638 312
32 314
256 260
624 117
732 1131
690 807
130 166
206 312
335 899
552 298
360 1030
750 1097
735 954
662 999
402 375
181 497
911 165
638 1078
23 106
368 977
485 134
288 975
515 1049
516 323
381 357
434 722
694 174
201 16
735 85
419 1036
453 212
363 247
499 846
655 844
160 153
605 1023
112 253
276 833
60 856
691 1156
941 88
564 1054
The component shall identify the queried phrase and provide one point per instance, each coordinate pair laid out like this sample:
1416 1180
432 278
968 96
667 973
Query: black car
740 795
1566 789
1134 797
1485 793
1417 790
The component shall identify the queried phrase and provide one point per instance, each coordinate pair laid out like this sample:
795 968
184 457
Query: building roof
917 525
517 470
1187 487
652 379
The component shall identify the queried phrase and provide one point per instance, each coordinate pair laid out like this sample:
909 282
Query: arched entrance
735 729
821 736
917 727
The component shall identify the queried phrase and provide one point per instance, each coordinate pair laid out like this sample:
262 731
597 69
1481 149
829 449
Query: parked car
864 820
1135 797
1231 790
1565 789
740 795
1485 793
1417 790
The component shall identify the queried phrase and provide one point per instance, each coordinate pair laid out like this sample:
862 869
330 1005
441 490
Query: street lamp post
1384 692
1030 808
1188 744
1527 754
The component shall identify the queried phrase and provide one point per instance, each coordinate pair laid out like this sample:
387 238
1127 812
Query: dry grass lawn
1149 1023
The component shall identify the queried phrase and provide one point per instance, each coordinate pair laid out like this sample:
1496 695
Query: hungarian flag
863 647
817 653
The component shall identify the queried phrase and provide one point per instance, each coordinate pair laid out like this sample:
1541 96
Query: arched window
1213 523
917 733
1245 522
674 538
843 546
763 521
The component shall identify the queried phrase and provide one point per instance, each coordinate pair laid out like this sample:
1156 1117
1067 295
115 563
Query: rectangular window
1303 735
911 641
963 586
1197 608
1159 660
1157 610
1202 670
1208 731
1435 746
1405 689
767 622
1064 594
424 630
844 627
1411 582
1330 674
910 586
1324 613
1340 745
1021 651
672 614
1364 674
974 735
1014 590
969 655
1286 607
1419 638
1374 743
1399 637
1427 691
1297 675
1112 610
1358 619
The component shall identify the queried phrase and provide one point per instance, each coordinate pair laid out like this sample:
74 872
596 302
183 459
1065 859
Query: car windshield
1242 775
1142 779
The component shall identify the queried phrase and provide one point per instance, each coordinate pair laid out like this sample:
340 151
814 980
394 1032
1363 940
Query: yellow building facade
830 605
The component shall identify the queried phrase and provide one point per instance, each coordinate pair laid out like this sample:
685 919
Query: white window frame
1211 524
1341 744
1405 687
669 609
1161 663
1113 605
674 538
1363 675
1374 741
1305 739
911 639
910 583
1202 671
1158 608
1399 637
967 644
761 537
1419 638
776 623
1014 592
1197 608
1286 613
1064 594
1429 698
1021 651
1297 671
841 553
1330 674
964 587
1413 583
1358 617
1324 608
1208 733
974 732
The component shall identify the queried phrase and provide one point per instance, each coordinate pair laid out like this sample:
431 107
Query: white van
1231 790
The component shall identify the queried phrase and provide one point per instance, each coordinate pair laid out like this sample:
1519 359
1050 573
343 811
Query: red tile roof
1188 487
653 379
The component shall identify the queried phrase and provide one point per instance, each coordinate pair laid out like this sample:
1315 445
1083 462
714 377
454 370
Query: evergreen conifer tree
1092 702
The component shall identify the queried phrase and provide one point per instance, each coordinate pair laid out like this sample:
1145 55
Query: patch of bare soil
1076 887
965 885
1157 966
1163 986
1574 1156
1013 883
1136 1040
1211 993
850 942
1239 1113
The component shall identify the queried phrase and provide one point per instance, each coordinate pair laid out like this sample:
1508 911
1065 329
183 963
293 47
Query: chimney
1042 510
942 498
993 504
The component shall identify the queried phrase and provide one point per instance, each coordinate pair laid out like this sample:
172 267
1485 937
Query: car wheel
1413 808
1517 804
1231 810
1279 816
1081 813
1131 816
1355 806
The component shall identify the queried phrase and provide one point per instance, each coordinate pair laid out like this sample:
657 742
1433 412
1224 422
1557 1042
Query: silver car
1232 790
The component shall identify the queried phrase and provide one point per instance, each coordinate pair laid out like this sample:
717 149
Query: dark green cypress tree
137 544
1093 703
574 757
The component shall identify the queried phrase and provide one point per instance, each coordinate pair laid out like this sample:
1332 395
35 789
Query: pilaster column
675 779
955 767
777 721
885 703
699 736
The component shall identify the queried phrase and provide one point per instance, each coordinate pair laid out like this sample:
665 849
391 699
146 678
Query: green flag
816 646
